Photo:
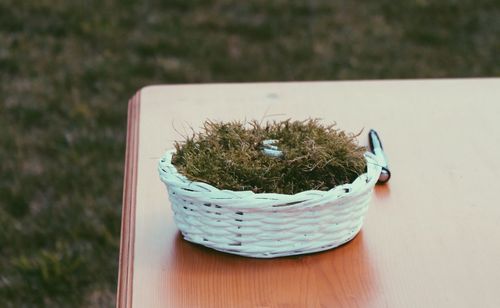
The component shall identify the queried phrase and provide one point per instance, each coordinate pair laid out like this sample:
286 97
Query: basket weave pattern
267 225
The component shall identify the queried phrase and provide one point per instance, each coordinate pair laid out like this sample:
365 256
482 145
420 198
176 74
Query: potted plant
268 190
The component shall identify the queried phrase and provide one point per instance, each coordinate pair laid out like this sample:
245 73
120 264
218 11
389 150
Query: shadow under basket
268 225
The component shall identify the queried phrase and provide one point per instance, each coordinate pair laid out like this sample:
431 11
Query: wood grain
431 237
126 262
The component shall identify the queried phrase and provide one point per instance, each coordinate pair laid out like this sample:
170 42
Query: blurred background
68 68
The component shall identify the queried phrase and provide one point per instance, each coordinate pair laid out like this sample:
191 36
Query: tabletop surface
431 237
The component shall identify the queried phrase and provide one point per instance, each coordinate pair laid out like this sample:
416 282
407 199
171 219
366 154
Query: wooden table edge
126 260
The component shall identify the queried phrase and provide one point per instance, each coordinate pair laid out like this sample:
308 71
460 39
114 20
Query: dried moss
229 156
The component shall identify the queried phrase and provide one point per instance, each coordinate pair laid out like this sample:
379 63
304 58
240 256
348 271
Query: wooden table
431 237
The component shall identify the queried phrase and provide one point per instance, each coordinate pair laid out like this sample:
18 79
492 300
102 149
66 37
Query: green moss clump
229 156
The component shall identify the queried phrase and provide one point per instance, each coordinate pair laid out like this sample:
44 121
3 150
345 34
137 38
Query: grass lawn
67 69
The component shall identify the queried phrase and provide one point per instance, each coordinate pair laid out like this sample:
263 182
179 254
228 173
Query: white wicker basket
267 225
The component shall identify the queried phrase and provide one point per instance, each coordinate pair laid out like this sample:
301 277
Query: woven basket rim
165 166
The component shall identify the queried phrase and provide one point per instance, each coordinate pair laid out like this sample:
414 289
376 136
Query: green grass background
67 69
